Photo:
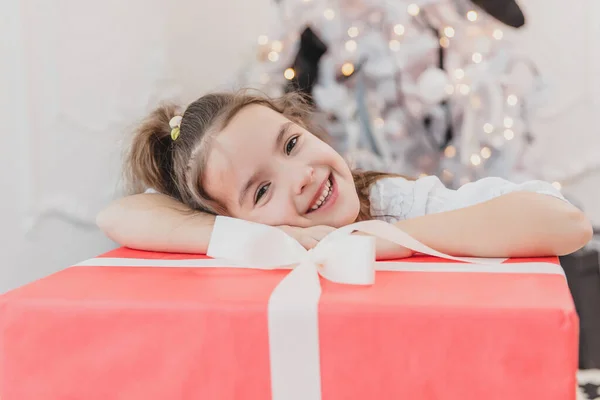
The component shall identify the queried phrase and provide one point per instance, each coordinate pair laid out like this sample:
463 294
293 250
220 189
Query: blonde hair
175 167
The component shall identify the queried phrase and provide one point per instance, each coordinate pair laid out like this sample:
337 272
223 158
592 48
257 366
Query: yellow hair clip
175 124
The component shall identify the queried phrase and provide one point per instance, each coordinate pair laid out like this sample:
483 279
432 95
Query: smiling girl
260 159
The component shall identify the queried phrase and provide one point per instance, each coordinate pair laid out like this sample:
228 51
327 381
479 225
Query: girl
260 159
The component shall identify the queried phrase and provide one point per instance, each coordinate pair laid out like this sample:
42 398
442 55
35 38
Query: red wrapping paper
201 333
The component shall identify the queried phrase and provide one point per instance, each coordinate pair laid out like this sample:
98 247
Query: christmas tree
413 87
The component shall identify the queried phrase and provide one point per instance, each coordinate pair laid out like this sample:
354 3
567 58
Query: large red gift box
127 326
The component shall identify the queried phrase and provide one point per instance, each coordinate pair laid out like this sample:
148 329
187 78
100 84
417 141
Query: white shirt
396 198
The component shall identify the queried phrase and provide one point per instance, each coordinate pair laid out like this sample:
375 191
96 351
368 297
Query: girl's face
264 168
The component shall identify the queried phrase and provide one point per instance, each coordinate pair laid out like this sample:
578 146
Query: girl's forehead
250 129
255 117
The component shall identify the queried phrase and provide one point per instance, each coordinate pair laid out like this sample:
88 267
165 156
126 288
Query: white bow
339 257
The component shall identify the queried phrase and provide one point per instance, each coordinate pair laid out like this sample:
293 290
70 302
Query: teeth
326 192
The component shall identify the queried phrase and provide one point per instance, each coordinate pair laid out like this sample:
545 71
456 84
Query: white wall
76 74
564 40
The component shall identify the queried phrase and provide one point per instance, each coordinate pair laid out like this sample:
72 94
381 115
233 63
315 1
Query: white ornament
394 128
386 90
432 85
333 98
379 68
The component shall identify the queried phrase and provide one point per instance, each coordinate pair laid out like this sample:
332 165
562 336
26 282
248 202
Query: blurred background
457 88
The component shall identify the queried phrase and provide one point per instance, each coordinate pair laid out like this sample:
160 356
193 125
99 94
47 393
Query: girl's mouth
326 197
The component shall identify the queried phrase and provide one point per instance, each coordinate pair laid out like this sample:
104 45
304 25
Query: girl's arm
512 225
518 224
156 222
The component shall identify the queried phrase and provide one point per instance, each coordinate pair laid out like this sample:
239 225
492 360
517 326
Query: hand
308 237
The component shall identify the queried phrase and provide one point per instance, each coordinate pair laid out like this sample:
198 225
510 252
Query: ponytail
148 161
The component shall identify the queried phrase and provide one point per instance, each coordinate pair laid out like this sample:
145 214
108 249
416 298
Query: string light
475 159
413 9
449 31
449 88
351 45
394 45
459 73
488 128
508 122
329 14
399 29
378 122
472 16
444 42
277 46
509 134
512 100
477 58
347 69
263 39
353 31
450 151
273 56
557 185
289 74
486 152
498 34
464 89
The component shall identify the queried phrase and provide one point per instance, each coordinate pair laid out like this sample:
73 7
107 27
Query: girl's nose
307 177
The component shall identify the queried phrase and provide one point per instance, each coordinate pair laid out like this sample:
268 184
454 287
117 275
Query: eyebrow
283 129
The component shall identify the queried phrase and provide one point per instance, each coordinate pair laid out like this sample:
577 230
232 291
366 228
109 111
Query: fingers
302 235
307 242
311 236
320 231
307 237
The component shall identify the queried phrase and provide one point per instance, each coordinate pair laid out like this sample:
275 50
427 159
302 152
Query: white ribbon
293 304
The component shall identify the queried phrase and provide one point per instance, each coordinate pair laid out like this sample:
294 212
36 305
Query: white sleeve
398 198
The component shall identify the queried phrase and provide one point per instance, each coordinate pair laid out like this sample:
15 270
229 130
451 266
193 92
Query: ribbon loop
348 260
255 245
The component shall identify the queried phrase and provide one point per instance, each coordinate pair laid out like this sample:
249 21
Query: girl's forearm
156 222
518 224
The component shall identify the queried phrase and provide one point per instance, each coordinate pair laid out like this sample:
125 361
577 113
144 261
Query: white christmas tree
420 87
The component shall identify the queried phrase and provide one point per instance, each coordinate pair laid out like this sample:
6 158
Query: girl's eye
290 145
261 192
